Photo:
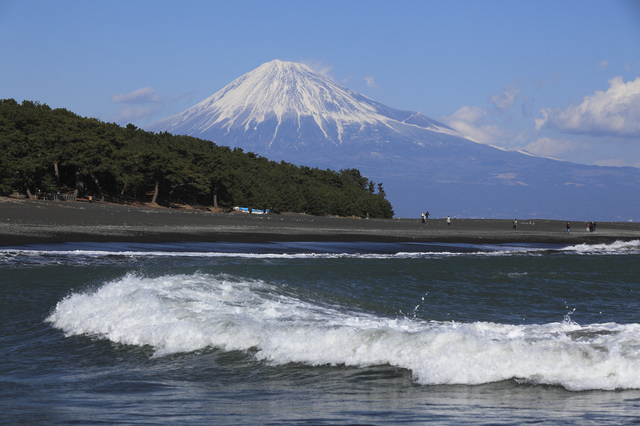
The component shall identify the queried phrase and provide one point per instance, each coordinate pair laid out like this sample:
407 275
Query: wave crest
186 313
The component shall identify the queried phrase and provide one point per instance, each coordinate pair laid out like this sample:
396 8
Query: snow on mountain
286 112
290 93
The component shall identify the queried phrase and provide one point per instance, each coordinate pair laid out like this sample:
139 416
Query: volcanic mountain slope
286 112
282 106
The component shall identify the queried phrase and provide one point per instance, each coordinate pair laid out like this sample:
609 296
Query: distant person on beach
588 227
423 218
448 220
568 228
426 215
593 227
515 223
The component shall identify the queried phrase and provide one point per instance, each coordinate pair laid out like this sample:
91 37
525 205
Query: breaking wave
189 313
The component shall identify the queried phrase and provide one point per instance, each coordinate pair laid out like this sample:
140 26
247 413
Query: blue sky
557 78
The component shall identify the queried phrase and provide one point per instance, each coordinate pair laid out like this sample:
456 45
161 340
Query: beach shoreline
36 222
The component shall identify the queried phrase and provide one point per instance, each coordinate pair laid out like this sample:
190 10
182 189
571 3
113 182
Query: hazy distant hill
285 111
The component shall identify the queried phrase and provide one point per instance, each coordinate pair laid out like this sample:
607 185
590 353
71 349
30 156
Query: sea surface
320 333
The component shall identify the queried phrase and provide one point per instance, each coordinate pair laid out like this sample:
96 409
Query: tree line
45 150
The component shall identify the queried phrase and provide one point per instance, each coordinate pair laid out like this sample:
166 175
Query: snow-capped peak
283 90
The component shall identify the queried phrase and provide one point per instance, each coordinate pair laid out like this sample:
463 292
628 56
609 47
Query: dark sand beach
29 221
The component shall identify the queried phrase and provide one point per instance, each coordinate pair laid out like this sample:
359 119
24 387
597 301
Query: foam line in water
617 247
101 254
186 313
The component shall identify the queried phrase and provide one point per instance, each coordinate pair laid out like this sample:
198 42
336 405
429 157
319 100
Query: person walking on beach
568 228
448 220
423 218
515 223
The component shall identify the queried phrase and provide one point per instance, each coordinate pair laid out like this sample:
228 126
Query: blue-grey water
320 333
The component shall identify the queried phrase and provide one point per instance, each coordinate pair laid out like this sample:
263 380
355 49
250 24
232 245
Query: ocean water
320 333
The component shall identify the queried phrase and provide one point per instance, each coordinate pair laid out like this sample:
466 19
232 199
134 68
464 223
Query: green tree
46 150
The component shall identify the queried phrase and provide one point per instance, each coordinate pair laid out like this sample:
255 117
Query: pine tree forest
46 151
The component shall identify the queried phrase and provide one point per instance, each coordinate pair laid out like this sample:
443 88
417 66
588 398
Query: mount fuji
286 112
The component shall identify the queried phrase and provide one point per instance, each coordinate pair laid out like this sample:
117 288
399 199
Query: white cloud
144 104
467 121
131 114
469 114
140 96
472 123
555 148
370 81
615 162
615 112
320 68
188 96
505 100
604 64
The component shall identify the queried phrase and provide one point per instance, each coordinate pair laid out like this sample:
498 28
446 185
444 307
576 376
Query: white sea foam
213 254
28 253
617 247
186 313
